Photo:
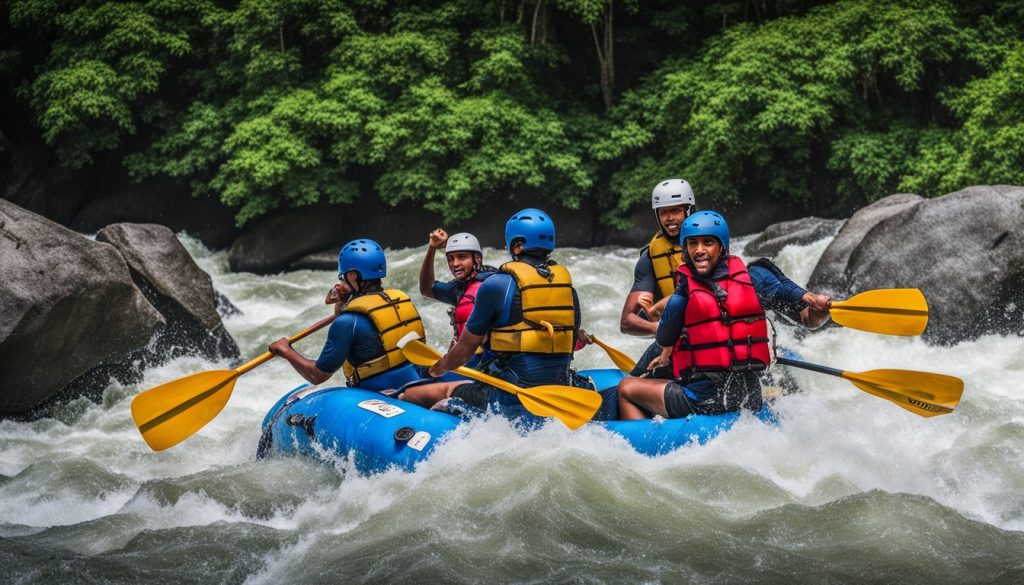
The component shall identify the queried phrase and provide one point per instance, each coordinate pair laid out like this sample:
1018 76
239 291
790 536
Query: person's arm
582 337
337 296
816 313
303 365
670 327
630 321
458 355
490 302
653 309
438 238
776 289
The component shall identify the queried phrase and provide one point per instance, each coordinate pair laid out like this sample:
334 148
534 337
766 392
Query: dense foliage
449 104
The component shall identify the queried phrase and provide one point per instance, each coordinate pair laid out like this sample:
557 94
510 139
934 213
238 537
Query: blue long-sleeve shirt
773 288
493 309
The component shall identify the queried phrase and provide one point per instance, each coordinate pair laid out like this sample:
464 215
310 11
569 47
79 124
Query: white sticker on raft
385 409
419 440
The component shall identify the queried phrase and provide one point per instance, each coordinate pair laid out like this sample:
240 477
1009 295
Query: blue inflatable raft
380 433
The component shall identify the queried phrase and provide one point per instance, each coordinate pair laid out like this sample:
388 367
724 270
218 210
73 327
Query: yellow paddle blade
621 360
922 393
890 311
418 352
170 413
572 406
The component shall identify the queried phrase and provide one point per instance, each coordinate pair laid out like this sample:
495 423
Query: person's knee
628 386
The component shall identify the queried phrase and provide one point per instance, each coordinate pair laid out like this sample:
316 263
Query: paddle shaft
486 379
266 356
812 367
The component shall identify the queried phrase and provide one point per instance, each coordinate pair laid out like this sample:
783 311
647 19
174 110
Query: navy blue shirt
773 289
643 275
446 292
353 338
493 309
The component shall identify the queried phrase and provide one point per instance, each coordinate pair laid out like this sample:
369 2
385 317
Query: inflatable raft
379 432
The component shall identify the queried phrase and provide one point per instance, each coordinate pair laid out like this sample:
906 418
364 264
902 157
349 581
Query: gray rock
964 250
67 306
322 260
172 282
829 275
795 232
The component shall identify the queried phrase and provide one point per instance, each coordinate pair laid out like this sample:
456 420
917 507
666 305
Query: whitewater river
848 488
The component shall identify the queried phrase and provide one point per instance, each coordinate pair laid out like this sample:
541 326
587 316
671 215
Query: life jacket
548 314
665 259
464 306
727 331
393 315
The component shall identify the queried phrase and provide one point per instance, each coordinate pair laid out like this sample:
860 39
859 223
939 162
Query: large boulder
964 250
829 275
172 282
794 232
67 306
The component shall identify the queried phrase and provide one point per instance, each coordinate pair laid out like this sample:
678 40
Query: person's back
363 339
529 311
379 319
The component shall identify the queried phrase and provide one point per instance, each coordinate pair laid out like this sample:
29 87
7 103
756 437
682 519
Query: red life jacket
726 334
464 306
467 300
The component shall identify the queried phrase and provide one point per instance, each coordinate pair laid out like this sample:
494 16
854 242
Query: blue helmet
365 257
534 226
706 223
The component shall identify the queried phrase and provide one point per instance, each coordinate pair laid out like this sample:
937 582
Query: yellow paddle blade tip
170 413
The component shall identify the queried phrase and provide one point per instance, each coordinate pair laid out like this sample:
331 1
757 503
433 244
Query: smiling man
654 274
465 262
713 333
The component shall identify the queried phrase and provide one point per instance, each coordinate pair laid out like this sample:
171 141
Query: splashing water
848 488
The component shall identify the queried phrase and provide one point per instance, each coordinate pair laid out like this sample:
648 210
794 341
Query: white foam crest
58 505
191 509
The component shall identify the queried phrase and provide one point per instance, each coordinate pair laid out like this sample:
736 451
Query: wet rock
172 282
964 250
829 275
795 232
67 306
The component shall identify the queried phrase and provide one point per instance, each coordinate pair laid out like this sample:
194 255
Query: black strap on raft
303 421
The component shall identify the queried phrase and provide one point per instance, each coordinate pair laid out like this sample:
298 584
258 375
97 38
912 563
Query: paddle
572 406
170 413
921 393
890 311
621 360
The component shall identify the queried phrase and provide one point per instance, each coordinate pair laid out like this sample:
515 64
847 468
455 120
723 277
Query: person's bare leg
641 398
426 395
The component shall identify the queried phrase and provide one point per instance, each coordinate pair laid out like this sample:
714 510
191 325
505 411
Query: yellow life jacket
665 258
548 313
394 315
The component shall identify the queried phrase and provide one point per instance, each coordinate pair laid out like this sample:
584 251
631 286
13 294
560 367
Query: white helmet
463 242
672 192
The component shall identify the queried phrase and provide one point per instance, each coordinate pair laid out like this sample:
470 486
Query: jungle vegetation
448 103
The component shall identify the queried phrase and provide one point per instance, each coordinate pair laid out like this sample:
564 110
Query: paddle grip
266 356
812 367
